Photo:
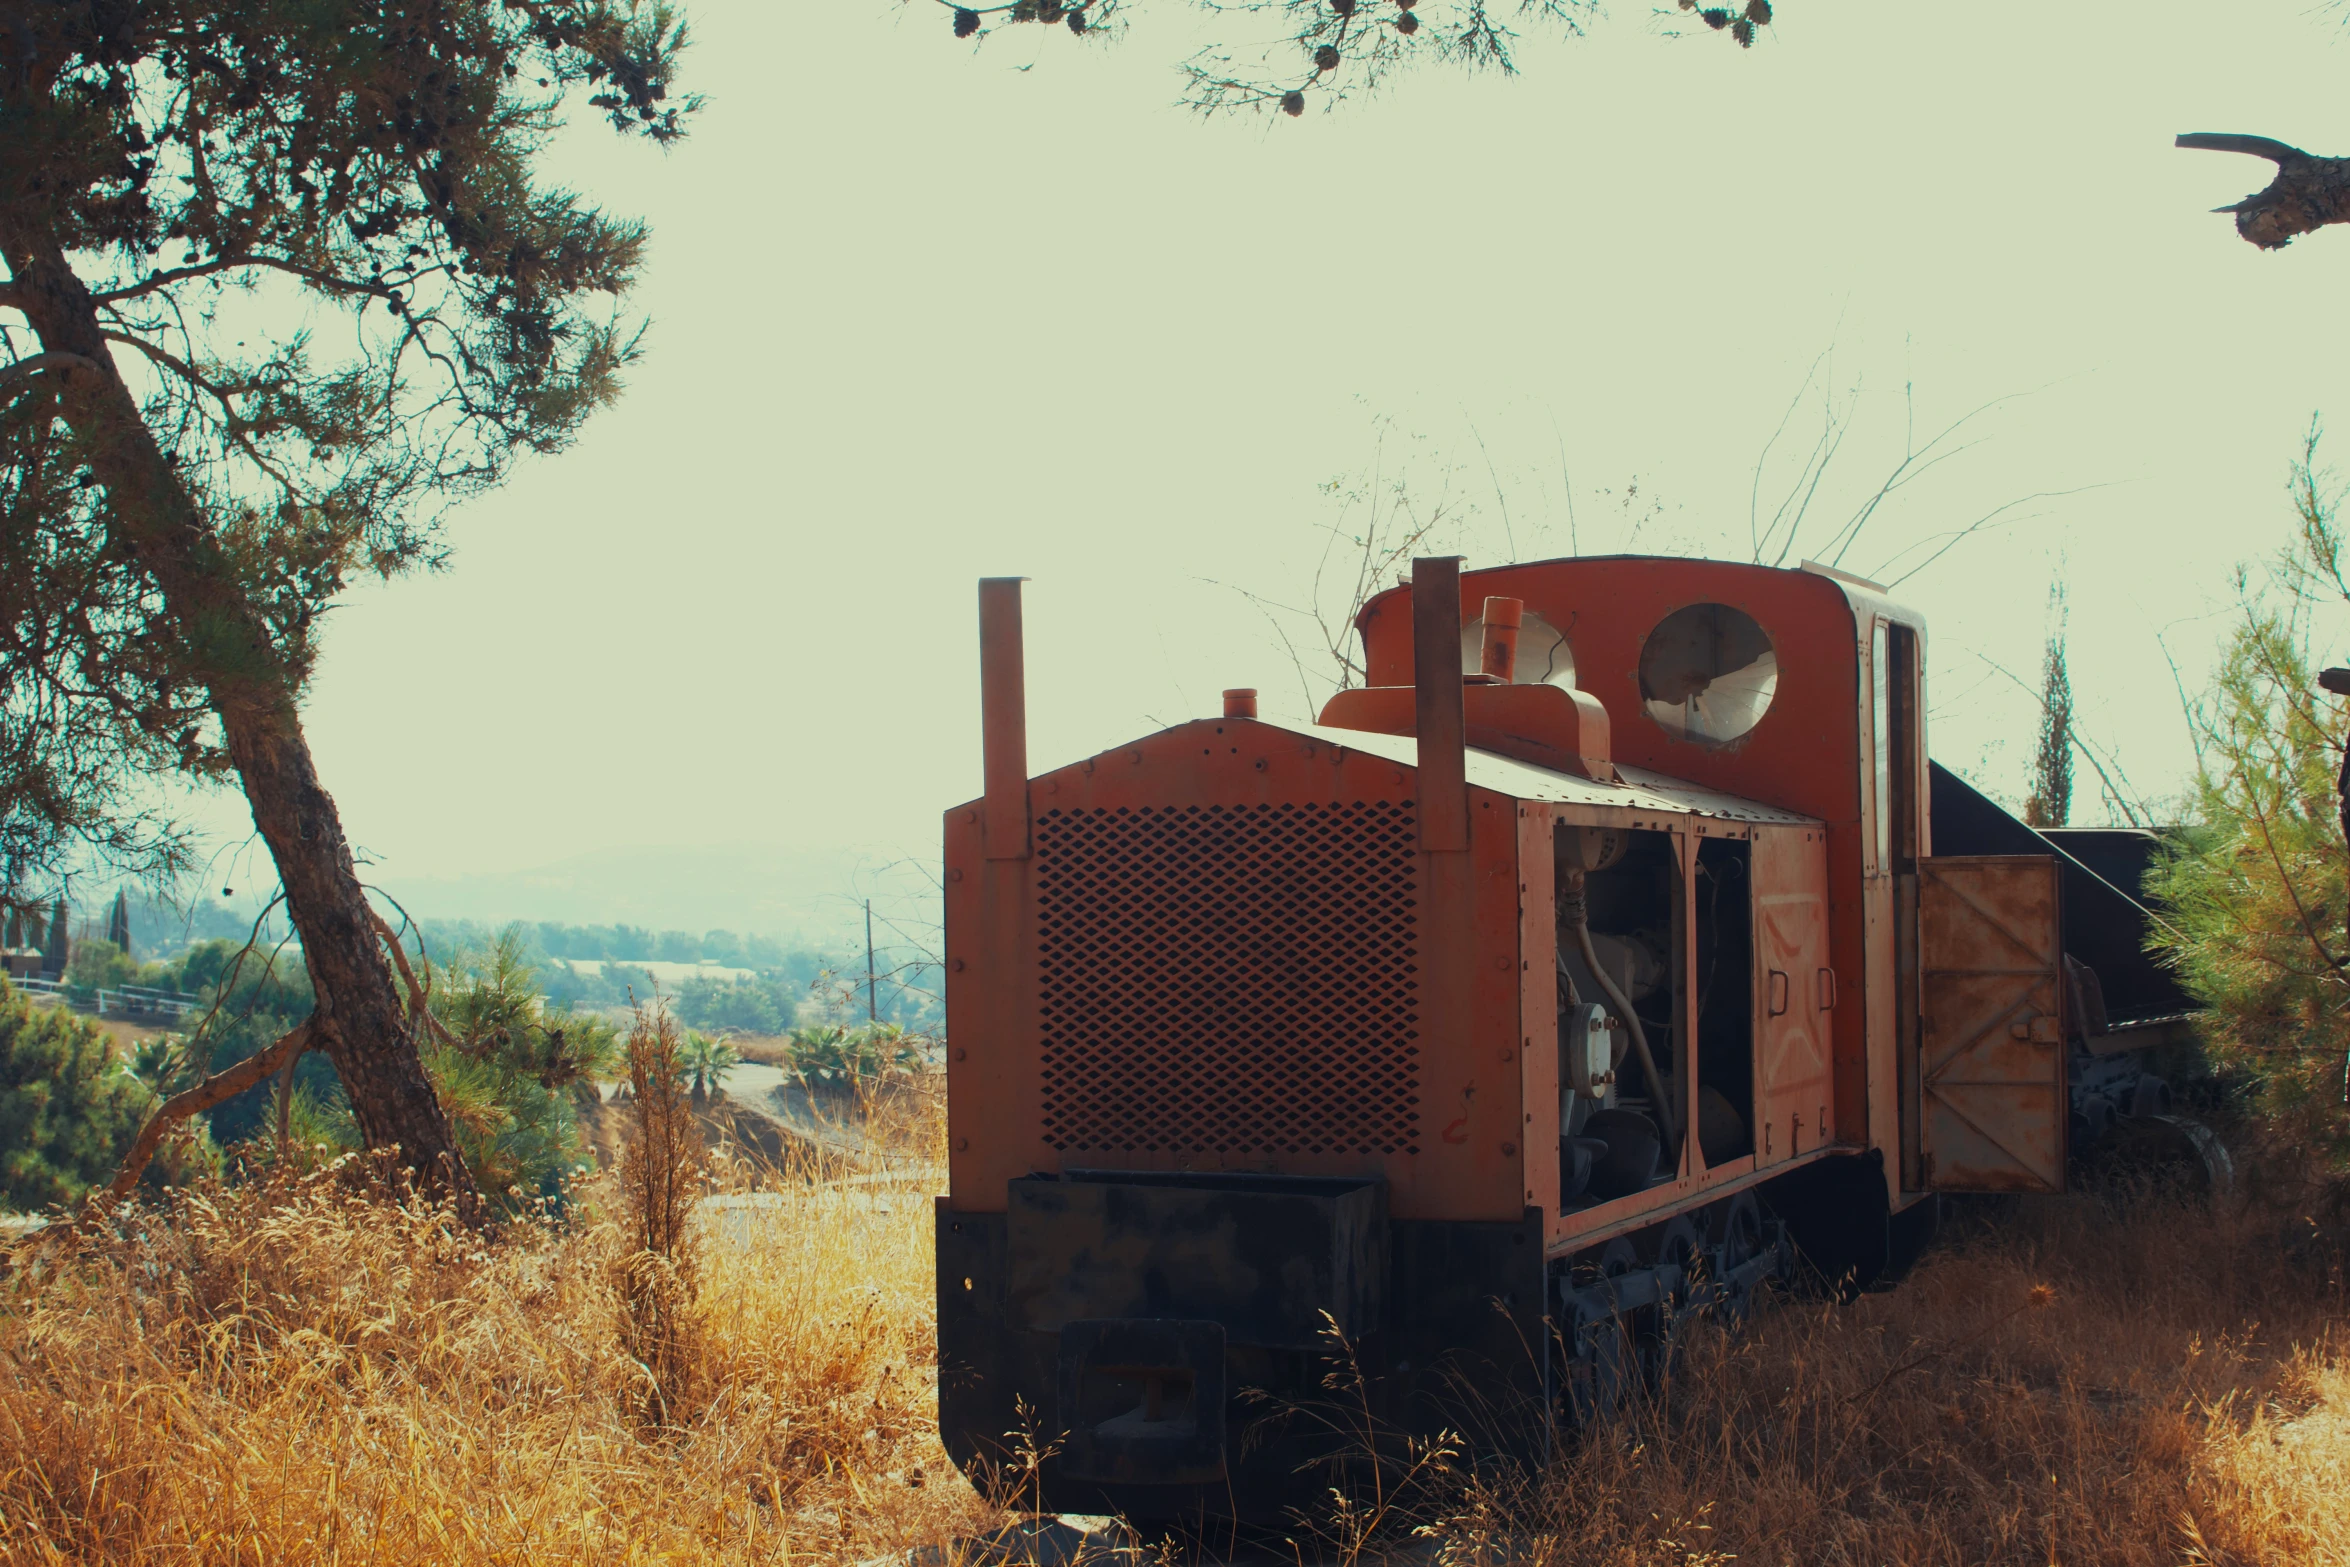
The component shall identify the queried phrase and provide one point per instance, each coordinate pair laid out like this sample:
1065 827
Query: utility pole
872 1008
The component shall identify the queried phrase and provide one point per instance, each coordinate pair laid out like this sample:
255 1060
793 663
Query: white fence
126 1001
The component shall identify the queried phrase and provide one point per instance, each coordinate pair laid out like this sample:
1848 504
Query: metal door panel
1795 993
1991 1069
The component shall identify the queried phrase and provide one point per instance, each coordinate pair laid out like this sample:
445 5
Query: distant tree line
788 985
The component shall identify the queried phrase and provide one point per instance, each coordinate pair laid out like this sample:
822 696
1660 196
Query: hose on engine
1575 913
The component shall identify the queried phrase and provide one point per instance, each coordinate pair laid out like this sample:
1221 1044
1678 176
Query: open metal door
1795 993
1992 1099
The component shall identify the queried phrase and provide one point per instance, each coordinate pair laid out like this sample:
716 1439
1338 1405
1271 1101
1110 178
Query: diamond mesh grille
1229 979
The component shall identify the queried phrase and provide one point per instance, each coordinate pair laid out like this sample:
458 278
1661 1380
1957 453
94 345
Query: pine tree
1333 48
186 526
2255 886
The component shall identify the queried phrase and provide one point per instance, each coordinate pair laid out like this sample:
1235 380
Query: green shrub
97 965
68 1110
827 1055
2256 885
518 1071
746 1006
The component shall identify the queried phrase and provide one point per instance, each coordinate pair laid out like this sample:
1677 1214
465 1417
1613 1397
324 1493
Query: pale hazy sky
922 314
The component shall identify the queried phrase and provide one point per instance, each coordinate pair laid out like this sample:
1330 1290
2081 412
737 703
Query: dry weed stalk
660 1175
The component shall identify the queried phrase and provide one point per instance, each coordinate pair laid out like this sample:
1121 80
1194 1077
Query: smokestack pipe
1003 718
1437 705
1498 658
1240 702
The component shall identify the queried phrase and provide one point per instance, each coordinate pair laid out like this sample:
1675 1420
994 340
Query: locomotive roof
1640 788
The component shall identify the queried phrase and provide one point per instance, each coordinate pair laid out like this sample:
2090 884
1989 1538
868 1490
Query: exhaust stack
1438 718
1003 718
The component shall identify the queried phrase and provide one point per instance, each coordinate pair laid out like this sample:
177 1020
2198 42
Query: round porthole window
1707 673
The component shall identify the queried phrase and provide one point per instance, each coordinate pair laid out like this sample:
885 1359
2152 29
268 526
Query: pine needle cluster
2258 887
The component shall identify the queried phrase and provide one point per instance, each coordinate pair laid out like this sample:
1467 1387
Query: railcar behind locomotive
1617 942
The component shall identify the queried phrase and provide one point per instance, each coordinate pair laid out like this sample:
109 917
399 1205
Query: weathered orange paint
1993 1085
1549 726
1794 1072
1807 754
1799 785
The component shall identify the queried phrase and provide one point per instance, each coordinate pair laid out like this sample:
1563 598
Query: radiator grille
1229 979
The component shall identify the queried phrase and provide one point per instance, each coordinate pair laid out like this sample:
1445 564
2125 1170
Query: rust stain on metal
1993 1103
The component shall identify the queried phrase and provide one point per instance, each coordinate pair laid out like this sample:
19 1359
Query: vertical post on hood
1003 718
1437 706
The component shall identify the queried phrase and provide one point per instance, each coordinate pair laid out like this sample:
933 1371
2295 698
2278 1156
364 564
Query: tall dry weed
660 1179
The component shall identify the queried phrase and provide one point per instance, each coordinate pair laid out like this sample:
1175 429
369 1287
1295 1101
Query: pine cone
966 23
1293 104
1325 59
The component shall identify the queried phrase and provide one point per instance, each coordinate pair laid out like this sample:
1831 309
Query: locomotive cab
1450 1047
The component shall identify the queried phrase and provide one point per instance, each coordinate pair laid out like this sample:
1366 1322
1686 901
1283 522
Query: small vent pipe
1497 659
1240 702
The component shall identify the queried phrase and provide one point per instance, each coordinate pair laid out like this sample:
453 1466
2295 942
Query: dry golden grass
2067 1382
294 1373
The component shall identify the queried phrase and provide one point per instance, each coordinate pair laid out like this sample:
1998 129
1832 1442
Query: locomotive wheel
1607 1358
2172 1153
1674 1244
1741 1241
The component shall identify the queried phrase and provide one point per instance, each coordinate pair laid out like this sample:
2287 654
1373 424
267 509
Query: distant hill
807 895
802 898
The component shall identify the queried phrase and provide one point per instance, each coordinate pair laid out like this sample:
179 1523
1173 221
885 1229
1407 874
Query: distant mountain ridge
806 894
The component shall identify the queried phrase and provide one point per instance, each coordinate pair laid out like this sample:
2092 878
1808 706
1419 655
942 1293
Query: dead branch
53 360
2308 193
215 1089
417 1002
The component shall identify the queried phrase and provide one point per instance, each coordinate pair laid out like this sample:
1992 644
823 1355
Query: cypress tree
58 947
2050 803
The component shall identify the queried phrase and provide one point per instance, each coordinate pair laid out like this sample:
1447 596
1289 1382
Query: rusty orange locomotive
1615 946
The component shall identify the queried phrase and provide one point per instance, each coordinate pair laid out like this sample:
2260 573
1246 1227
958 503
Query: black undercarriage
1232 1347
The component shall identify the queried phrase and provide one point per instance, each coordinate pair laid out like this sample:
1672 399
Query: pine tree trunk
359 1020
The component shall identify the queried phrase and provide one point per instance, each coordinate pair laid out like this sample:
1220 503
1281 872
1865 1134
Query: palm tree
706 1062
